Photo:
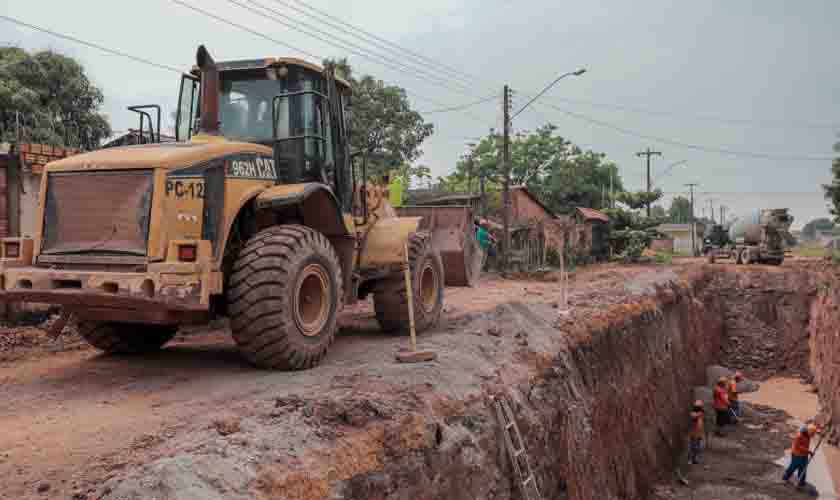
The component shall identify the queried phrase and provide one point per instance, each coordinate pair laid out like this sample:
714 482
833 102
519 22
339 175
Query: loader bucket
453 236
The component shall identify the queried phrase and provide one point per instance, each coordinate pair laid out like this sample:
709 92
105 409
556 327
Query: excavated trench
600 401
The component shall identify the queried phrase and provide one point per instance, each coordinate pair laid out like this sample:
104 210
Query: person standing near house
395 189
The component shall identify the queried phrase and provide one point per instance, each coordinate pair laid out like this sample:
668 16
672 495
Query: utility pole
722 212
691 187
648 153
612 192
711 211
506 186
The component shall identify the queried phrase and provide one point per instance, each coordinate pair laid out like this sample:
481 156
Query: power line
458 108
385 44
90 44
284 44
686 145
369 38
341 43
693 116
369 35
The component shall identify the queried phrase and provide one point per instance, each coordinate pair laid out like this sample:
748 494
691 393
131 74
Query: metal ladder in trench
516 451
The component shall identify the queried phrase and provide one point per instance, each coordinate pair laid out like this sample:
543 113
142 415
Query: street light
543 91
669 168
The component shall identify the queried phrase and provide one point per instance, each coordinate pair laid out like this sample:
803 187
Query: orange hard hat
812 429
699 402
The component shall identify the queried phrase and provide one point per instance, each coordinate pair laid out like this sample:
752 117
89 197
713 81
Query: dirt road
72 419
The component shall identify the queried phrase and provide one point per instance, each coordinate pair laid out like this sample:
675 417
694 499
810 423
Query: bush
835 257
663 258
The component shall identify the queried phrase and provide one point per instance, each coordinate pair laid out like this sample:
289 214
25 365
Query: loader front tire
284 295
125 338
427 279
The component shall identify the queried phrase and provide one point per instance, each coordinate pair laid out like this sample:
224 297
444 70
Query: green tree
48 98
659 212
637 200
680 210
581 180
382 122
553 169
832 191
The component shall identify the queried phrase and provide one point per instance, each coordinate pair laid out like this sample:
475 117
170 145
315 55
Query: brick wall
35 156
524 208
662 245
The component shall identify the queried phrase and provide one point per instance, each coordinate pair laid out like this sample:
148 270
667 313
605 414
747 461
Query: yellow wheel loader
256 212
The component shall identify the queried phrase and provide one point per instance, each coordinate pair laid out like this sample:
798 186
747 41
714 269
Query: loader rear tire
427 279
284 295
125 338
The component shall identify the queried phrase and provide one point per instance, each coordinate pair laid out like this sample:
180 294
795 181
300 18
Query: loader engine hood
168 155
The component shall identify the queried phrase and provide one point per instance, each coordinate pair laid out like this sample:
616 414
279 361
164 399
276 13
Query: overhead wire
284 44
331 39
370 39
710 118
461 107
686 145
370 36
89 44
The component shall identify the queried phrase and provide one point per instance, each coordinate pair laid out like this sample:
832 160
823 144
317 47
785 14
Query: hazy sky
753 76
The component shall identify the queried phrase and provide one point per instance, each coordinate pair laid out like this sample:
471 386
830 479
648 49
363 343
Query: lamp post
506 158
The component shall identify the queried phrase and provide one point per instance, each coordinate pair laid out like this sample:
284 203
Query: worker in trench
800 453
695 437
732 394
722 411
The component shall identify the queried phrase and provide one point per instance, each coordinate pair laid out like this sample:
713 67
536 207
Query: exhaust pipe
209 123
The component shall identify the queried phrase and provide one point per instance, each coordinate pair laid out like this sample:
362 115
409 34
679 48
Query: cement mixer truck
760 237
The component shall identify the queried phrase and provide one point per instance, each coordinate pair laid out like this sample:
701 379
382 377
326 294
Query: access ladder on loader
516 451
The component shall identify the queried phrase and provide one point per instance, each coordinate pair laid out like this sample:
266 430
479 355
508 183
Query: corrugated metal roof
592 214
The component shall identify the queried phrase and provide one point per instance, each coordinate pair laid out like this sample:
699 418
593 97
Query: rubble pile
20 337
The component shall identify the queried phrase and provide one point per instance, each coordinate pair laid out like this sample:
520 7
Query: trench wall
600 398
598 417
824 330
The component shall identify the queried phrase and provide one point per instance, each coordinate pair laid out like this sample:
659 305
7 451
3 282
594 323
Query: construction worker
695 437
732 393
800 452
721 406
395 189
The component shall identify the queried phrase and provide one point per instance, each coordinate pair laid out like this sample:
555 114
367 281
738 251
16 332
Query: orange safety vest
801 445
697 425
721 401
733 391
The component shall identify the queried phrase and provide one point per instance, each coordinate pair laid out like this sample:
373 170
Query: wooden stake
413 355
410 296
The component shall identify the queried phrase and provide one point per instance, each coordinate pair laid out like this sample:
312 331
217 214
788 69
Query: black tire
427 279
747 258
125 338
284 295
738 259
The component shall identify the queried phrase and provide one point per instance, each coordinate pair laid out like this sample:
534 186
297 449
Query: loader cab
283 103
